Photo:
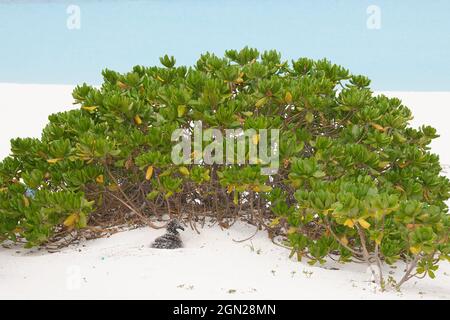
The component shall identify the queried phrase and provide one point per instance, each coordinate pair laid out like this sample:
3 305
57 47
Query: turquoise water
410 51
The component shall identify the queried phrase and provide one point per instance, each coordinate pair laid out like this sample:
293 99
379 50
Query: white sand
212 265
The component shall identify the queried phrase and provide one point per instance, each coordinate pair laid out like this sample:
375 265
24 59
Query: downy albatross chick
170 240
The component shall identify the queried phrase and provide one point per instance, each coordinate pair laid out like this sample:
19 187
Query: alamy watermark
227 147
374 17
73 21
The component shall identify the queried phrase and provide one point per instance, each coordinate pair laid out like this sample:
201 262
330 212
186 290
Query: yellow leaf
196 154
137 120
292 230
18 230
344 240
403 165
181 109
378 127
349 223
363 223
121 85
260 102
230 188
275 222
149 173
90 109
26 202
415 249
71 220
113 187
383 164
378 239
3 189
263 188
168 195
206 176
255 139
53 161
100 179
159 78
288 97
184 171
239 80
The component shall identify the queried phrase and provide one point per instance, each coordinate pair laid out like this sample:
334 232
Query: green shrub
355 183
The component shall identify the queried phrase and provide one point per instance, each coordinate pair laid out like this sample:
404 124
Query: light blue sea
401 45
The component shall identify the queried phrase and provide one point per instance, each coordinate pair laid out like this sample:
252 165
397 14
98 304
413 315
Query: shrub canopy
355 181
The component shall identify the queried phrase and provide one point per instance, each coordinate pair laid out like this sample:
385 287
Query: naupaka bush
355 182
